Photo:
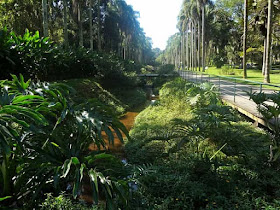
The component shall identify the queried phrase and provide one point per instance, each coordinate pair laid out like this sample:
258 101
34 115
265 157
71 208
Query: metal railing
229 85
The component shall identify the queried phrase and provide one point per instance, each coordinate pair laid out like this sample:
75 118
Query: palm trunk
80 23
264 56
99 25
199 44
191 50
187 47
203 37
195 48
65 22
45 18
268 43
90 25
183 50
245 39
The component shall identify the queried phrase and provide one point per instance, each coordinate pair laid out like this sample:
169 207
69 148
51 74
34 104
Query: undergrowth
197 153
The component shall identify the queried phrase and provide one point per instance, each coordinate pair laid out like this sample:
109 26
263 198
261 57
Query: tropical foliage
211 33
39 58
199 154
103 25
45 143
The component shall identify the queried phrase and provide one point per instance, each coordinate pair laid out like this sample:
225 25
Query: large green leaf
5 198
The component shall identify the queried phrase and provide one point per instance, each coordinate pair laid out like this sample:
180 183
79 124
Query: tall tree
45 18
202 4
99 25
80 23
245 39
65 23
187 46
198 43
268 43
90 24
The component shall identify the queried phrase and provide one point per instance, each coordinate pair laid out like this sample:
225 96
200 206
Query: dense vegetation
102 25
212 34
62 97
198 153
56 128
45 140
39 58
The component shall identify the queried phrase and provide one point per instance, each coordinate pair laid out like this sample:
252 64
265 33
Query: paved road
234 93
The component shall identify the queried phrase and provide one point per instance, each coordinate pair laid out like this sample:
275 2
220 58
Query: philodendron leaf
75 161
76 183
93 177
5 198
66 167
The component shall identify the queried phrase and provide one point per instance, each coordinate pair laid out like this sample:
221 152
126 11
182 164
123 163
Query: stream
118 149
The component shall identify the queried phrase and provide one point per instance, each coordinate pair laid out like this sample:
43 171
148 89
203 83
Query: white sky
158 18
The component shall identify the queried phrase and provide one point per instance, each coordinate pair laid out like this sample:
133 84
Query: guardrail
228 84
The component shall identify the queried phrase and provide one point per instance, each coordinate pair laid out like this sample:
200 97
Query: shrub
227 70
202 155
38 58
62 202
219 60
49 138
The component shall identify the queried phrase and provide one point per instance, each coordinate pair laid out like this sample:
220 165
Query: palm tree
99 25
45 18
80 24
90 25
245 39
65 22
187 46
195 45
268 43
264 55
192 45
201 8
198 42
203 34
183 48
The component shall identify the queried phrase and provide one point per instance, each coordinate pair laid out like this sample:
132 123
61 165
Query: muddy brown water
117 149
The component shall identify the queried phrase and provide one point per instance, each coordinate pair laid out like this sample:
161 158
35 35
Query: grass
253 75
195 153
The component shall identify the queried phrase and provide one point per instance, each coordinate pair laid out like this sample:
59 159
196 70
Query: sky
158 18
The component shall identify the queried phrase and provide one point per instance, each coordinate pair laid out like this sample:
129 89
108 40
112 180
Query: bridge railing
230 85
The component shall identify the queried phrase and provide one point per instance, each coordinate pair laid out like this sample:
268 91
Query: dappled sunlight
128 121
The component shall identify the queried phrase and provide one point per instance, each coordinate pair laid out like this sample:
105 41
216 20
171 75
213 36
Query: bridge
234 92
155 75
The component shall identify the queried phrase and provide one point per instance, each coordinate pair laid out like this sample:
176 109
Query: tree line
239 33
102 25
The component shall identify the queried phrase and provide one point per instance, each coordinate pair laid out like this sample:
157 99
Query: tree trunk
90 25
183 50
99 25
203 37
65 23
268 43
45 18
245 39
198 43
264 55
191 54
195 48
80 23
187 47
